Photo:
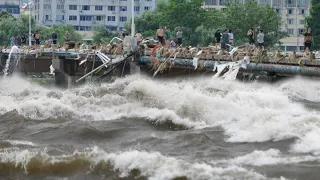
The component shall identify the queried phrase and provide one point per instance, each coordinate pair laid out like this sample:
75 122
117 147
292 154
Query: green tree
313 21
5 14
9 27
241 17
199 25
103 35
62 29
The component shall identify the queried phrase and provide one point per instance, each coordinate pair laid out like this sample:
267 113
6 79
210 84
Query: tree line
313 21
200 24
14 27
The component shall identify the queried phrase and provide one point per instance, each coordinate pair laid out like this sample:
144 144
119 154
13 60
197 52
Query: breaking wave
267 158
254 112
131 164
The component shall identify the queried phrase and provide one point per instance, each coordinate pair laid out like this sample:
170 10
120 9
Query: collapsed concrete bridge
73 64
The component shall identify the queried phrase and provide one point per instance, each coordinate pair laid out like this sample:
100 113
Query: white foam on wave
300 88
153 165
248 112
309 143
19 142
267 158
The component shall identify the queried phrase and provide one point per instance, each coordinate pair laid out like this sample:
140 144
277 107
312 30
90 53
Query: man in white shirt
230 39
260 39
139 37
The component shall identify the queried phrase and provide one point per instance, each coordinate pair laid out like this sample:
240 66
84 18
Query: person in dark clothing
225 40
23 39
54 38
307 40
37 37
217 36
125 33
251 36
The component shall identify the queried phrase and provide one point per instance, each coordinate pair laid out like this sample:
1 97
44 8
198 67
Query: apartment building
293 14
85 14
11 6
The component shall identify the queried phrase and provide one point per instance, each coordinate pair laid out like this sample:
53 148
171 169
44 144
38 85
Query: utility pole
30 7
297 30
132 23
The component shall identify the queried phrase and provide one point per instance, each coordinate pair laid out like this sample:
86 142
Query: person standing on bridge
251 36
160 34
67 36
179 37
307 40
139 37
12 40
225 40
37 37
260 39
54 37
23 39
217 36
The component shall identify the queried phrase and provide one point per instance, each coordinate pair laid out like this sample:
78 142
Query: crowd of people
164 36
36 39
223 40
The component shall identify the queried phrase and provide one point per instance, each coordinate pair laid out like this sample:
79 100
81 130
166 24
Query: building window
48 18
111 18
111 8
86 7
301 31
302 11
223 2
210 2
289 11
99 18
276 3
290 31
13 10
290 3
47 6
73 7
60 6
60 17
137 8
123 19
278 11
72 18
85 28
123 8
147 8
290 21
264 2
302 21
149 0
301 3
123 0
76 28
98 8
85 18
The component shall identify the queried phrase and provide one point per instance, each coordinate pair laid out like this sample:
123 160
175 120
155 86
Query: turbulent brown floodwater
141 128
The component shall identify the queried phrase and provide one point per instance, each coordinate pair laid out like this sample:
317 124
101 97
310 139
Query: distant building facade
85 14
11 6
292 12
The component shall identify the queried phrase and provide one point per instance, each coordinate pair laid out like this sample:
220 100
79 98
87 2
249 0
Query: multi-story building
11 6
293 14
85 14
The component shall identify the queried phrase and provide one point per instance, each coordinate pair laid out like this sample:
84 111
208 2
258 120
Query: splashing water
13 53
232 69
